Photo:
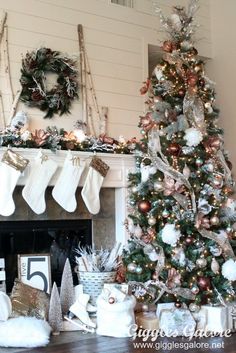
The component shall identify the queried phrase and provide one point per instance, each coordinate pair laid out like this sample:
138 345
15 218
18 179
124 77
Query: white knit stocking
34 190
11 167
91 189
67 183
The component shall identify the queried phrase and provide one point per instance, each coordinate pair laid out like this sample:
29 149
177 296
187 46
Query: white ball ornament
229 270
170 235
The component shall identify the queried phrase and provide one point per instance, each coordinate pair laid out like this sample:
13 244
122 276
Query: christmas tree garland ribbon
227 172
193 109
222 241
166 169
179 291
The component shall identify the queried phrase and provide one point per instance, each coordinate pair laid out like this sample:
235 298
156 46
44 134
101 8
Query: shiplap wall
116 40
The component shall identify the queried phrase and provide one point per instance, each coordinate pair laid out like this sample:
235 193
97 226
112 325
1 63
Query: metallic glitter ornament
152 221
215 267
132 267
214 220
138 270
158 186
194 289
134 189
199 162
194 308
215 250
201 263
165 213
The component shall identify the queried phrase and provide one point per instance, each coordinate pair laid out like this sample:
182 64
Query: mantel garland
35 66
54 138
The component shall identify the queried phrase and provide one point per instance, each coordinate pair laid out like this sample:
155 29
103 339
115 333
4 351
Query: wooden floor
77 342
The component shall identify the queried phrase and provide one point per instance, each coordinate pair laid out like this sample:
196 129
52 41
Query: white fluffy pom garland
193 136
229 270
170 235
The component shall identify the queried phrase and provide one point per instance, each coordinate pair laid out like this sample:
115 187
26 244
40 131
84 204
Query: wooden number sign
35 270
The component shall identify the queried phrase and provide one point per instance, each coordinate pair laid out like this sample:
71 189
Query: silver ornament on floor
194 308
201 263
132 267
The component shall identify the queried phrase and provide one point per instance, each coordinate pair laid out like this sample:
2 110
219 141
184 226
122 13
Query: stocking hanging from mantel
67 182
93 183
42 171
11 167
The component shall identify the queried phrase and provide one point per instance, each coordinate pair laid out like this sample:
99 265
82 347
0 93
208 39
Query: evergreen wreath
35 66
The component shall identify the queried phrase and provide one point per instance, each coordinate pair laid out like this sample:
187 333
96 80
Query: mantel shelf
120 165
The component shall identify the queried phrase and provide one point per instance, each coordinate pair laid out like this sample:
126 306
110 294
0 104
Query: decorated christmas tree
182 214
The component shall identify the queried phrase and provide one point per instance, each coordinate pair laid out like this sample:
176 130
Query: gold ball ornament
152 221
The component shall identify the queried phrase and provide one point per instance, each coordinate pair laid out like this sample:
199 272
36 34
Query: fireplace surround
24 231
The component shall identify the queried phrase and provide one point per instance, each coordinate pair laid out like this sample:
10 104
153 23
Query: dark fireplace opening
57 237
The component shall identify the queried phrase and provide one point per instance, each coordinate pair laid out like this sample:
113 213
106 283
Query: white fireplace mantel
120 165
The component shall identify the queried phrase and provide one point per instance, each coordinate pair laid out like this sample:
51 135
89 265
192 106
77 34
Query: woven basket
93 282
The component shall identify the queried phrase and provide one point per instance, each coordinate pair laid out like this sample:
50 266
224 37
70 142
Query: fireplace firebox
57 237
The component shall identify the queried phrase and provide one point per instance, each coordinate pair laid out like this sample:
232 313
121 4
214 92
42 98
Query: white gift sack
115 319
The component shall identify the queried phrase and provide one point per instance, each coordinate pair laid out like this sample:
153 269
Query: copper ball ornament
167 46
181 92
192 80
204 283
189 240
111 300
174 149
144 206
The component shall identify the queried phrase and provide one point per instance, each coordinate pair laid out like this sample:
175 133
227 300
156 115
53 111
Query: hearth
57 237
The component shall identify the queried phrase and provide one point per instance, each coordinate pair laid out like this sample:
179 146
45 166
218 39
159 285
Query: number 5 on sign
35 270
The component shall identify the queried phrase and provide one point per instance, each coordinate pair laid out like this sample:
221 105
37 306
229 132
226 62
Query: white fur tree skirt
24 332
